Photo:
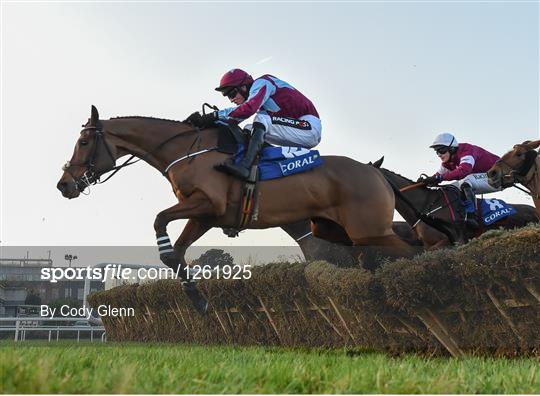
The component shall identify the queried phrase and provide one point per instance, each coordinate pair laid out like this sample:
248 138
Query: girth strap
448 204
249 205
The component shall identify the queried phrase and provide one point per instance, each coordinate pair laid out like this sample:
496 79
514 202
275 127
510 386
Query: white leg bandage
164 244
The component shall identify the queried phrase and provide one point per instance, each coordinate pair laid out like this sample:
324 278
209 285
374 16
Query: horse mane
149 118
397 174
377 164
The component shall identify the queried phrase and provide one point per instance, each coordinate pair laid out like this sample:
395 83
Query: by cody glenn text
85 312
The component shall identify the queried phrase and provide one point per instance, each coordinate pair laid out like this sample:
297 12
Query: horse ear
532 145
94 118
378 163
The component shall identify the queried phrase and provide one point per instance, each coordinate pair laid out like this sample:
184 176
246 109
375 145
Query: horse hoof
203 307
199 302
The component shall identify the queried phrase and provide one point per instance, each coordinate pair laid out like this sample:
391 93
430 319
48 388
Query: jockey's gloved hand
430 180
202 121
208 120
194 118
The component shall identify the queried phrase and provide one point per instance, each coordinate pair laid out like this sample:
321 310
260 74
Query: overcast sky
385 77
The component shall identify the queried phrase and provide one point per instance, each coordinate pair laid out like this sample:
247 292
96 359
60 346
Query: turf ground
41 367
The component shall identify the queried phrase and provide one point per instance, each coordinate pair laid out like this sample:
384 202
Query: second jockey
283 115
467 164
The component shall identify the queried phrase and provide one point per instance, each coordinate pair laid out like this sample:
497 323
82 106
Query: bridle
518 175
92 176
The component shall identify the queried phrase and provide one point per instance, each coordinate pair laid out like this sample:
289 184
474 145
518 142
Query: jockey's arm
260 92
464 168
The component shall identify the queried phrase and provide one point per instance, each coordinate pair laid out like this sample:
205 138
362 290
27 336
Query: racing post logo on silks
291 122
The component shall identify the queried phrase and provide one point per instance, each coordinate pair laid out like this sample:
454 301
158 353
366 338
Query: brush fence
483 297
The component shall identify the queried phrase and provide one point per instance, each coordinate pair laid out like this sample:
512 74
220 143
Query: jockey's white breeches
478 182
282 131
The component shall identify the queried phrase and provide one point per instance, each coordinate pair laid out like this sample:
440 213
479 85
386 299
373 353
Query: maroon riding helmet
233 79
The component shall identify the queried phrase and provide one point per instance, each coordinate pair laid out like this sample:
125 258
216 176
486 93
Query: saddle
273 163
229 137
450 198
488 211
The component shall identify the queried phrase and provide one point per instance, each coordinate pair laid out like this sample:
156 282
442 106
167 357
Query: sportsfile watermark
99 267
123 272
110 271
48 271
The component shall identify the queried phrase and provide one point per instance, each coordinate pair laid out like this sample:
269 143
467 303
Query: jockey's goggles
442 150
231 93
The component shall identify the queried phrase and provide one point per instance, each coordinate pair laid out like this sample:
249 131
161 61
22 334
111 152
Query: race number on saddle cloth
289 118
276 162
493 210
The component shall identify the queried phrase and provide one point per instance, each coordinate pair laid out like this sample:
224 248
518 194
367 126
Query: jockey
283 115
468 165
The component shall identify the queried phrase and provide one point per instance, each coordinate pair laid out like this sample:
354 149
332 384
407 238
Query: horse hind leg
375 250
329 231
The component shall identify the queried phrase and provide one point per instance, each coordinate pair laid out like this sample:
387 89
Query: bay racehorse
342 192
521 165
446 206
340 253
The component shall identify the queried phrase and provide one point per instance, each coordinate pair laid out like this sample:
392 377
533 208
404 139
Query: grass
41 367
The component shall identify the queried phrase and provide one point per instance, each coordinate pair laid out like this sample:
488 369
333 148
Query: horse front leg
193 230
194 206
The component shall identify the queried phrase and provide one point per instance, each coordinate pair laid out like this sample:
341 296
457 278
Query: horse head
92 157
514 165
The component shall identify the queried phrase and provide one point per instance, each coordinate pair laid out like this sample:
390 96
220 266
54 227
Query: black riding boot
242 169
471 219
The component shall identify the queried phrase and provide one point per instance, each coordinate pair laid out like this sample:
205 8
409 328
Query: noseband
517 175
530 157
91 175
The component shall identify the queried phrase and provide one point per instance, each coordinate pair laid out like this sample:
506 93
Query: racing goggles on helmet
442 150
231 92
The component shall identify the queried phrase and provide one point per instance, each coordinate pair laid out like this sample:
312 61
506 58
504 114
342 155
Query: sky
386 78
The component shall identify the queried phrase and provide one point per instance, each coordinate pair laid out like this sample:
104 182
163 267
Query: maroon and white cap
234 78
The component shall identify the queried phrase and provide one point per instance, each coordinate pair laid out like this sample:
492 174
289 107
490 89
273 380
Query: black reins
92 177
439 224
514 175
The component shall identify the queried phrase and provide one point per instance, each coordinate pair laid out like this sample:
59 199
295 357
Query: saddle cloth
277 162
493 210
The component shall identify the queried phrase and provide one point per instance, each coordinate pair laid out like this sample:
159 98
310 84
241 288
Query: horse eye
83 142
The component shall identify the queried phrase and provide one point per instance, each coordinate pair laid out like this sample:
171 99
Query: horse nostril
61 186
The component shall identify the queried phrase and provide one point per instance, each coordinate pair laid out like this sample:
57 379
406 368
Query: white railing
20 328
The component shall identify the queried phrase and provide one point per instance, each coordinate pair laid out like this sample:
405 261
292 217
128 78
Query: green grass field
41 367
